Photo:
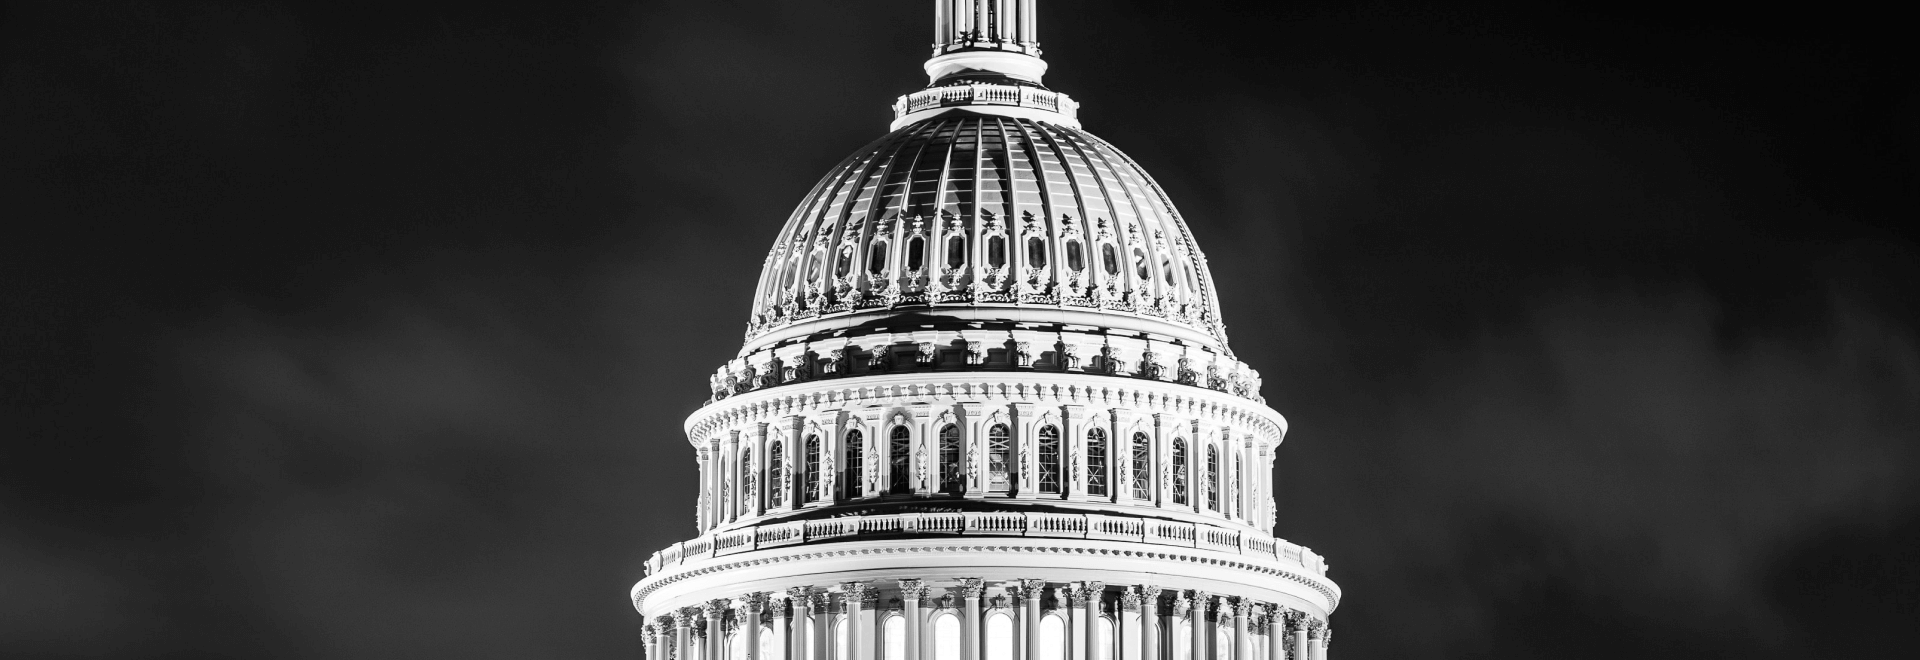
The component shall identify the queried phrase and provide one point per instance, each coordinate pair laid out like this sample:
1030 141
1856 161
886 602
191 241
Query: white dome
980 218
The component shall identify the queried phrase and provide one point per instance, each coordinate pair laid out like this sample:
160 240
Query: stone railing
1032 524
985 94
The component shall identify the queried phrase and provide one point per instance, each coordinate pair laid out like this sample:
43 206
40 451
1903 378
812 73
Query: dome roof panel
983 211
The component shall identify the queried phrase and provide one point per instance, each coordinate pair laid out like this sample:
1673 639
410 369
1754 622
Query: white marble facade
986 410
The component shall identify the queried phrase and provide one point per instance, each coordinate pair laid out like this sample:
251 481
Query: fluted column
1241 609
1276 634
783 649
854 596
650 641
1090 614
1198 615
715 609
911 591
1297 626
1031 588
755 602
730 504
683 632
970 589
1150 622
1326 640
1316 637
800 600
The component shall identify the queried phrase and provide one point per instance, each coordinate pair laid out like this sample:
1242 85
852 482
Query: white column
1199 609
1276 634
760 469
1030 589
1241 607
911 591
716 633
1090 616
800 600
1297 624
756 602
1150 622
683 633
970 589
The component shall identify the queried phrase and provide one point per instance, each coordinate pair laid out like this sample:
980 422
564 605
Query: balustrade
991 523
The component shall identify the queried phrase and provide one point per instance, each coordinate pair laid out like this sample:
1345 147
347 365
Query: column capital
1130 599
685 616
1316 628
971 587
755 600
778 606
1243 607
1326 636
715 608
858 593
912 591
648 634
799 593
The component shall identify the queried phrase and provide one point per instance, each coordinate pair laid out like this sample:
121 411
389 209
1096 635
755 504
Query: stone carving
715 608
1185 374
913 590
926 352
1069 356
777 607
1023 354
971 587
835 361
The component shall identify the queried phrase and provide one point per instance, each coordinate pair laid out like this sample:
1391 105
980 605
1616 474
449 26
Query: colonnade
1044 621
1115 456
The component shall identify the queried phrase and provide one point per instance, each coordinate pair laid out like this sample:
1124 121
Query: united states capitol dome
986 214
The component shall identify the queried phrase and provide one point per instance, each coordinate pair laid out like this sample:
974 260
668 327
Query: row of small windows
1000 470
999 644
956 257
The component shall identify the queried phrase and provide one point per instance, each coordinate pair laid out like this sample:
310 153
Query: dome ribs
964 214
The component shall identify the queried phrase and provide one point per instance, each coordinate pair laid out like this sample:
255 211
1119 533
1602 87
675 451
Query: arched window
1097 462
776 475
1036 252
1142 467
793 272
916 253
846 262
1104 650
1179 471
1053 638
856 476
999 637
1166 270
1076 261
1235 494
899 461
746 481
950 480
999 454
1223 642
946 637
810 475
956 251
1130 635
842 649
1140 264
996 251
1110 259
1049 459
817 268
737 646
1183 641
1192 283
767 644
877 257
895 632
1213 479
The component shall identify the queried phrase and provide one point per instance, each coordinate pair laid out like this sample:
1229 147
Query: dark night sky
365 330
